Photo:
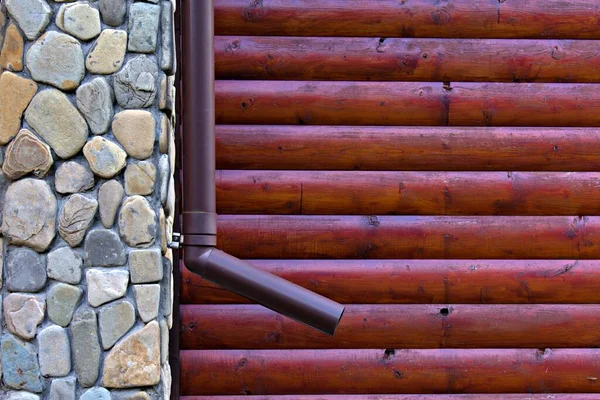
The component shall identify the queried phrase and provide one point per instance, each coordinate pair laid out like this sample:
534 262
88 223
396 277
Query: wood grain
423 281
273 372
397 59
397 237
407 148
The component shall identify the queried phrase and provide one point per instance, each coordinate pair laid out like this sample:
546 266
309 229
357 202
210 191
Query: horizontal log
390 237
408 193
506 396
422 281
407 148
407 103
396 326
396 59
414 18
271 372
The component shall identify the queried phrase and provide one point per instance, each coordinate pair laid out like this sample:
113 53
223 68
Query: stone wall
86 198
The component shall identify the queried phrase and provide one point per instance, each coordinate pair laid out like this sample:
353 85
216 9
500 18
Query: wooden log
365 326
330 103
555 396
415 18
390 237
396 59
423 281
408 193
407 148
273 372
407 103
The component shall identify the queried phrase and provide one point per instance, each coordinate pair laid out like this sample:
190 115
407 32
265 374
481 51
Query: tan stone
75 218
135 131
109 199
140 178
137 222
23 313
163 139
135 361
11 56
106 158
108 52
52 115
15 95
80 20
27 154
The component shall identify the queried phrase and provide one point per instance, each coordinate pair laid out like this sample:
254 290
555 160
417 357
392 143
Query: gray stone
140 178
167 49
166 99
164 341
23 313
115 320
165 177
103 248
145 266
105 286
136 132
55 352
109 198
33 16
107 53
137 222
143 27
80 20
20 365
56 59
97 393
95 101
63 389
29 214
25 270
65 265
113 11
132 395
85 345
25 154
75 218
164 135
147 298
73 177
135 361
15 94
106 158
135 84
22 395
167 289
1 256
62 300
58 122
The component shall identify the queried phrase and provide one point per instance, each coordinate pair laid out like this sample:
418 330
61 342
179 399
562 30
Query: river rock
137 222
11 56
56 59
109 199
20 365
73 177
113 11
15 95
115 320
58 122
103 248
75 218
63 389
136 131
64 265
145 266
107 53
55 352
135 84
33 16
25 270
135 361
62 300
147 298
23 313
143 27
106 158
26 154
105 286
140 178
86 348
80 20
95 101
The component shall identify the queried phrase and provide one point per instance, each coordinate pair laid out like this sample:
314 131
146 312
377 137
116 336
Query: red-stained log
407 103
410 18
356 237
554 396
396 326
407 148
423 281
393 59
260 372
408 193
330 103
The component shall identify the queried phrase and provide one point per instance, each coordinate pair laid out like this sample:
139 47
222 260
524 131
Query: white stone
105 286
147 298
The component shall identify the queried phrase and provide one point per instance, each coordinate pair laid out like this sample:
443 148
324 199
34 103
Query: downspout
199 230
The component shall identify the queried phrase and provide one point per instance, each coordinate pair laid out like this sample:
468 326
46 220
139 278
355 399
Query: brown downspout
199 235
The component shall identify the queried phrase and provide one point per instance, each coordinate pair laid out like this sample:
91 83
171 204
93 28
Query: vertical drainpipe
199 230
